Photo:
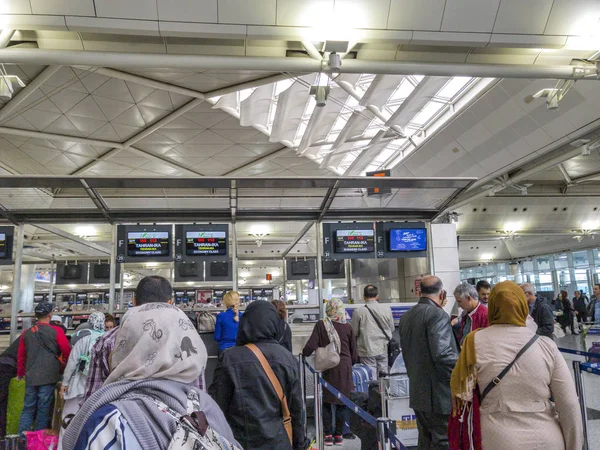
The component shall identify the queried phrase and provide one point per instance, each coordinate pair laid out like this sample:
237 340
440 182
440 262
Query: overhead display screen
199 243
2 245
408 240
354 241
148 243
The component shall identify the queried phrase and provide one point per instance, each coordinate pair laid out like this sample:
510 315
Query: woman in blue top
226 328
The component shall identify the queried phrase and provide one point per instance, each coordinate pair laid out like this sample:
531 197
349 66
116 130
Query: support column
348 270
234 258
27 292
113 271
320 270
284 277
444 258
18 246
51 287
121 286
299 291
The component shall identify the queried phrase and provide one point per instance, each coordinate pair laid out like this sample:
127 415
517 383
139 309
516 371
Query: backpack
206 322
193 431
595 348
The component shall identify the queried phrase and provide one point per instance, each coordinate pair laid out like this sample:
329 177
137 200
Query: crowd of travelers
490 377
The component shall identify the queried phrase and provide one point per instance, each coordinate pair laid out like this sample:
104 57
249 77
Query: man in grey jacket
430 353
372 341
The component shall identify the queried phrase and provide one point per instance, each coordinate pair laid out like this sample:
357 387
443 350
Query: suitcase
16 400
361 375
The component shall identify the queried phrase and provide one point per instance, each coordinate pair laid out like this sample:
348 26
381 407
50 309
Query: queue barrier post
319 438
383 434
580 389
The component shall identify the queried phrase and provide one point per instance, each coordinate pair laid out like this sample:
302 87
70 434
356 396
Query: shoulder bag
328 357
393 345
496 380
285 411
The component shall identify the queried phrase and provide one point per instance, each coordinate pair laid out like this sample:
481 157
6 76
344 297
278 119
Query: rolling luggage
16 400
361 375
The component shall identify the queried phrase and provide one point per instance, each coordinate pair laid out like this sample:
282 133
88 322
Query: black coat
543 317
243 391
430 353
340 376
284 335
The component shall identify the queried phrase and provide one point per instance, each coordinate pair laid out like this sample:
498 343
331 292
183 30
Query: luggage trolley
395 402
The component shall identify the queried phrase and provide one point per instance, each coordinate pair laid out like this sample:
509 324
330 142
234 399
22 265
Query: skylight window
430 110
453 87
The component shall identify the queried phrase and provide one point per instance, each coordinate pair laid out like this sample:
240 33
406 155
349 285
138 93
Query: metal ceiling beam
72 237
517 178
565 174
141 135
299 236
5 37
249 84
175 61
24 93
58 137
328 200
590 177
98 200
312 50
257 161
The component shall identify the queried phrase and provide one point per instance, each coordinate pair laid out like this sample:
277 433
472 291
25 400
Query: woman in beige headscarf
158 354
517 412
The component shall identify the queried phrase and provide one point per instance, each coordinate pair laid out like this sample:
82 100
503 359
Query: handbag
285 411
41 440
328 357
393 349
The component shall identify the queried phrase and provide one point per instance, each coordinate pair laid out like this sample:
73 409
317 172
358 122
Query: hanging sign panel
201 242
6 245
144 243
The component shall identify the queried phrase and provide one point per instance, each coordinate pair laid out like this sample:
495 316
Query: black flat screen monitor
300 268
202 243
71 272
408 240
3 247
333 267
102 271
148 243
354 241
188 270
219 269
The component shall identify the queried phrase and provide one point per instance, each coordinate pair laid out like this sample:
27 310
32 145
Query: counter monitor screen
2 245
148 243
354 241
408 240
205 243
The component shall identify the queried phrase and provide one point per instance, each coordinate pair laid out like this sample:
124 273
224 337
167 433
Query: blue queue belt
591 367
579 352
355 408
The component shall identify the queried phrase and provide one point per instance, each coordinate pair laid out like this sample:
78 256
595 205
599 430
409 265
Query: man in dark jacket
40 348
430 353
244 392
540 311
8 370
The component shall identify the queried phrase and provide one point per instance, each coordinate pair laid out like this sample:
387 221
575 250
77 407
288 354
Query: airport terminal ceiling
213 91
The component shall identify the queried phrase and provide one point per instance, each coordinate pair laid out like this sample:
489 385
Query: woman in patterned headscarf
158 354
340 376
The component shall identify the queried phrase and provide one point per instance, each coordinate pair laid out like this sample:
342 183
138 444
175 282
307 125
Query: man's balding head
432 288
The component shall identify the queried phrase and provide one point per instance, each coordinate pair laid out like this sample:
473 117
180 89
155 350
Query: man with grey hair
539 310
475 314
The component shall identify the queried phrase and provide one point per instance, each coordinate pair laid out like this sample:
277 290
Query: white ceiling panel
254 12
66 7
574 17
470 15
130 9
516 16
416 14
188 11
363 13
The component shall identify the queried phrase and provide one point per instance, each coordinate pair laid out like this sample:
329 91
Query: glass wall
567 271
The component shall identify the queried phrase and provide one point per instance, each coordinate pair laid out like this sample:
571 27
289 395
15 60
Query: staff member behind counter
226 326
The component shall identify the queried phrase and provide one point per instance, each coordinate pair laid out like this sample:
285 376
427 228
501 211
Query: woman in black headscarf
244 392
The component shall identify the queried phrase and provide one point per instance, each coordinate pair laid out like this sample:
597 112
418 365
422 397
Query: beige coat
517 413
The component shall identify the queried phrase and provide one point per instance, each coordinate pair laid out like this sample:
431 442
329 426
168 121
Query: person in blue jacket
226 328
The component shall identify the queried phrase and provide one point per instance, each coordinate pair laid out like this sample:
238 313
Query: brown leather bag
285 411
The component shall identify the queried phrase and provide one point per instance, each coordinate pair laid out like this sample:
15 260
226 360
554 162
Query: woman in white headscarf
158 355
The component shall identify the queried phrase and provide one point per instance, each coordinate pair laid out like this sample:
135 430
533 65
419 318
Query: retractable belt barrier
591 368
355 408
578 352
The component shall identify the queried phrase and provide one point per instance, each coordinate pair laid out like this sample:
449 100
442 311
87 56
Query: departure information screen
148 243
408 240
354 241
2 245
205 243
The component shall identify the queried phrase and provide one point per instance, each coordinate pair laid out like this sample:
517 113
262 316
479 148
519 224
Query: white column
27 289
444 252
